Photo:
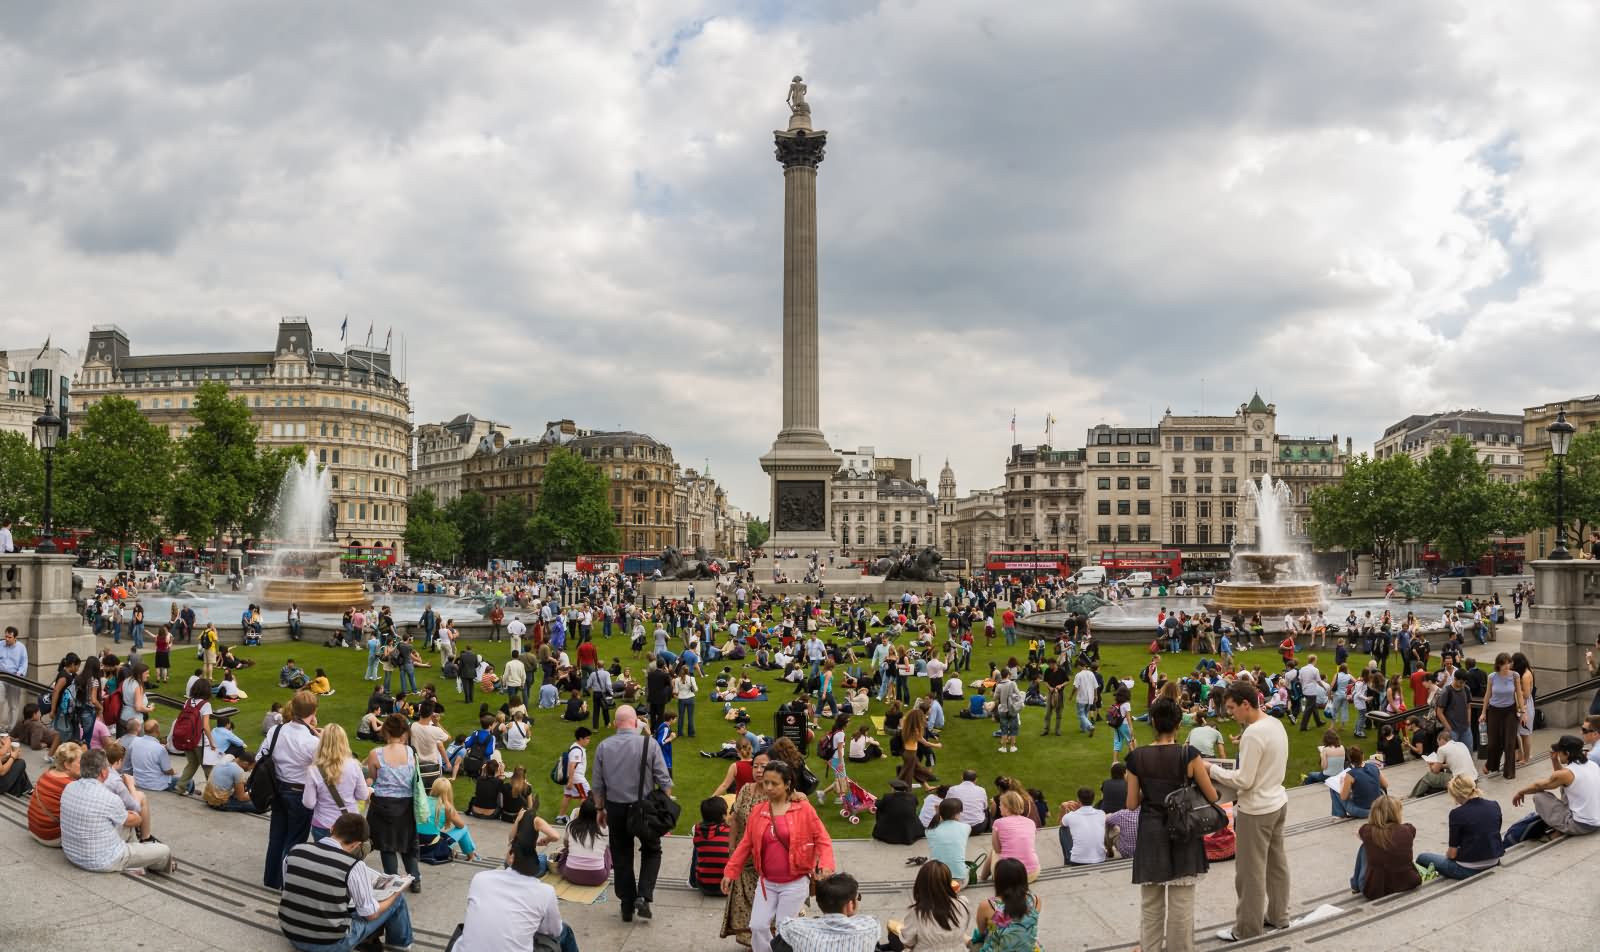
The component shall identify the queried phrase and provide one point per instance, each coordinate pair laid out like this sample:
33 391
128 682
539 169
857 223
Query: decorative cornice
800 149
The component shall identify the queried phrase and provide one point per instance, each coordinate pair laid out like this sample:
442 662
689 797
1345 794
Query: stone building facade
32 377
1123 490
977 527
1044 499
878 509
443 448
1205 463
348 409
704 517
1583 413
640 468
1496 437
1304 465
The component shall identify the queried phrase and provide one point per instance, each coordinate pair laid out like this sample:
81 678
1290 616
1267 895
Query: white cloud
1082 209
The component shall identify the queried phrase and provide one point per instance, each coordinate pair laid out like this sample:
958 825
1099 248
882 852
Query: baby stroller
856 802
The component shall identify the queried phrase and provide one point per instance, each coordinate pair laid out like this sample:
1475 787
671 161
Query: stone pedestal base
36 597
1559 628
802 495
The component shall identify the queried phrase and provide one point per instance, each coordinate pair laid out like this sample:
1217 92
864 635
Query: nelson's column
800 462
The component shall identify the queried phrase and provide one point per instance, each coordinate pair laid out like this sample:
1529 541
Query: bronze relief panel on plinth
802 506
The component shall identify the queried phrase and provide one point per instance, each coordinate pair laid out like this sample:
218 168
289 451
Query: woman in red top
789 846
44 807
740 772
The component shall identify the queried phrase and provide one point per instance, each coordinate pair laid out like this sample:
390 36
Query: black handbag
1189 815
656 813
263 783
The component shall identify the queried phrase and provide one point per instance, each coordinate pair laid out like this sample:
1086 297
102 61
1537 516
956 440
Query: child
1341 652
123 786
577 786
665 735
710 847
273 718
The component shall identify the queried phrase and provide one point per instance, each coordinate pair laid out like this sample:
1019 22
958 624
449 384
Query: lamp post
1560 441
47 428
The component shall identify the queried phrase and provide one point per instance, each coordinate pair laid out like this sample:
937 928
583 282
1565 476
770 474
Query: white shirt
974 802
293 750
1088 828
936 669
1458 759
6 542
1085 686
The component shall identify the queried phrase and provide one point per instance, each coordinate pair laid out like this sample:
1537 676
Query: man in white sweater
1261 876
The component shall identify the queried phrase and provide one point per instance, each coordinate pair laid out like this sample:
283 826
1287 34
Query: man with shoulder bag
634 788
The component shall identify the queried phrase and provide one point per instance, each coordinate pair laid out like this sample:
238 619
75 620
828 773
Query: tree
22 488
757 532
1580 490
469 514
225 480
1372 509
1458 507
430 535
508 528
573 513
115 472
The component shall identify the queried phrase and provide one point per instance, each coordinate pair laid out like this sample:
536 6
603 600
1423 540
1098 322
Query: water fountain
1269 580
306 571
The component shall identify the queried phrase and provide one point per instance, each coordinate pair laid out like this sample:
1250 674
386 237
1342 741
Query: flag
45 349
369 335
344 326
388 340
1013 423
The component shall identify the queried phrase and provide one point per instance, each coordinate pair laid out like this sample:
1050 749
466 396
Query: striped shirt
323 886
92 818
830 932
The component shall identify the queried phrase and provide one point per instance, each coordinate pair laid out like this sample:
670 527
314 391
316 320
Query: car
1460 571
1137 578
1411 575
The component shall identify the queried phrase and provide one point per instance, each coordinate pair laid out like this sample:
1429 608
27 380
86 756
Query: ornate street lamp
1560 442
47 428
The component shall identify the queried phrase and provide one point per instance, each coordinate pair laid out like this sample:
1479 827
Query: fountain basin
313 594
1268 598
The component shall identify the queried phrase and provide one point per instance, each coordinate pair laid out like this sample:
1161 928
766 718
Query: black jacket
657 687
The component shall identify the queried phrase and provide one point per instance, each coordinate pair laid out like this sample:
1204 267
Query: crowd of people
1217 727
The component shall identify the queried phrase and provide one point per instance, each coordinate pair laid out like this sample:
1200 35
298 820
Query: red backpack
111 707
186 729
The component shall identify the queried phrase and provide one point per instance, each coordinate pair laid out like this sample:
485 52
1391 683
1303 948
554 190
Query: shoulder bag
263 783
656 813
1189 815
421 809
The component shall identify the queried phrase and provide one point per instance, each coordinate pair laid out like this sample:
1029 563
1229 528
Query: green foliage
508 530
225 480
430 535
22 482
115 473
1581 490
469 514
1373 509
757 533
573 513
1457 507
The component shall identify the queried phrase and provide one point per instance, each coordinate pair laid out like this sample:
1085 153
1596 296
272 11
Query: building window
1178 509
1179 536
1142 457
1177 443
1228 507
1102 482
1027 482
1103 507
1204 443
1124 507
1144 507
1258 444
1102 533
1202 509
1230 487
1123 482
1258 466
1227 464
1124 533
1122 457
335 457
1180 486
1144 533
1203 465
1143 482
1227 444
1177 464
1203 487
1102 457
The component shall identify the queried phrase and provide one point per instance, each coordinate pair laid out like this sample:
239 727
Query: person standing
1085 689
657 690
1008 711
1261 805
789 847
1502 713
684 688
293 747
1055 678
619 789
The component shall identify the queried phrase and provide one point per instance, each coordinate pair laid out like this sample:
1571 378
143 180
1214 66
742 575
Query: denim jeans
290 825
1447 867
1343 809
1085 725
686 716
372 668
1358 878
136 632
408 679
116 632
394 921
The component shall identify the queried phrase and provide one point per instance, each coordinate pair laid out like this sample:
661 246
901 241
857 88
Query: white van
1133 579
1089 575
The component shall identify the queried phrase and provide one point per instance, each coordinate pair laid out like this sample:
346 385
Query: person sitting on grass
291 675
320 684
576 709
371 722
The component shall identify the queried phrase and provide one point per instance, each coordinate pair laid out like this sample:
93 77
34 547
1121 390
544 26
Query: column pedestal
1559 628
36 597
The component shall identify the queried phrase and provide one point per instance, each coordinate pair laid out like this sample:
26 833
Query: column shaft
800 363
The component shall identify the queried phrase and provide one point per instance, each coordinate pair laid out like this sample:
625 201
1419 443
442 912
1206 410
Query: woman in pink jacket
785 839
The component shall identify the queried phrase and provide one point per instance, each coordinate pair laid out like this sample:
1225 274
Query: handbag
263 783
421 808
656 813
1189 814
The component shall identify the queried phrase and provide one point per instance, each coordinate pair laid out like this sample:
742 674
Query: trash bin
1466 586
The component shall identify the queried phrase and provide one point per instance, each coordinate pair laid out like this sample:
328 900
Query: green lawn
1056 765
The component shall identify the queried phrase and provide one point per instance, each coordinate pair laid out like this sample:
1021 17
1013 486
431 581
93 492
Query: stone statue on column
797 98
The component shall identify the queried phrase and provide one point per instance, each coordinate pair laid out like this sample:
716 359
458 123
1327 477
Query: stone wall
1559 628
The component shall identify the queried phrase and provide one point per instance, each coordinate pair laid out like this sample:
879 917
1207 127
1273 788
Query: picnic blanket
570 892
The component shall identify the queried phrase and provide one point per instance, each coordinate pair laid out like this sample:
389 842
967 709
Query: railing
1560 694
32 689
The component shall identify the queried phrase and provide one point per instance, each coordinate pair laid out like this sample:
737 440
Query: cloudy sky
572 209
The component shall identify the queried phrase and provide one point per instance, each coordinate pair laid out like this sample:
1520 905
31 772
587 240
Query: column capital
798 148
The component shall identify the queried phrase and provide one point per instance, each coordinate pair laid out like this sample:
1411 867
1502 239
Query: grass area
1056 765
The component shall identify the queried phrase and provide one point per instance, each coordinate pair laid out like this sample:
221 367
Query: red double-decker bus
1043 562
1160 563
